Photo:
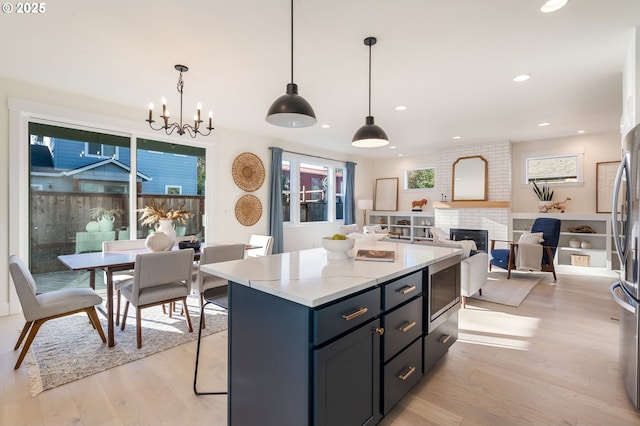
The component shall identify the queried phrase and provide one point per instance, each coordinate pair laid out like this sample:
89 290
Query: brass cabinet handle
407 289
445 339
407 327
357 313
406 375
379 330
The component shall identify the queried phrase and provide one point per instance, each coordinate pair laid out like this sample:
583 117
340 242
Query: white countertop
309 278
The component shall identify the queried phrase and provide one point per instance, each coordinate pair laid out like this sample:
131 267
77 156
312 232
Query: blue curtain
275 195
349 201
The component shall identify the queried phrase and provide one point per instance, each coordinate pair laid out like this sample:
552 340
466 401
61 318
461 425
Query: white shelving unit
601 255
409 225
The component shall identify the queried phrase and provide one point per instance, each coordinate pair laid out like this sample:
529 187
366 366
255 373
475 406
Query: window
558 168
173 189
317 182
423 178
93 149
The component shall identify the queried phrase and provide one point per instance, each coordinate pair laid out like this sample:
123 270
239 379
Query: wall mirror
470 179
386 194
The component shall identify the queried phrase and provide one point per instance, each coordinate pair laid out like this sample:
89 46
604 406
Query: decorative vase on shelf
167 227
543 206
157 241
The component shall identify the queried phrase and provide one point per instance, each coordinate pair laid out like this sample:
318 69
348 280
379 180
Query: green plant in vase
544 194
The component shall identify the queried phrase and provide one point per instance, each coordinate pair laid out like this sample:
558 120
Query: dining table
111 262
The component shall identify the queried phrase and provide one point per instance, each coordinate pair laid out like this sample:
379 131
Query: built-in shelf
472 205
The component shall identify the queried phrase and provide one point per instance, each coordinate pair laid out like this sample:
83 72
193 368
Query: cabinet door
347 382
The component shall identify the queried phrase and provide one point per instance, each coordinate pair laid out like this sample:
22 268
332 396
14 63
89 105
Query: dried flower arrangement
99 212
153 213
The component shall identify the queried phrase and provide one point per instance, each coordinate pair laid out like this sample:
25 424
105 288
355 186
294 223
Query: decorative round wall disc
248 210
248 171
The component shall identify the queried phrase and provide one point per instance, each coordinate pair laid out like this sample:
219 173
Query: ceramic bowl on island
337 249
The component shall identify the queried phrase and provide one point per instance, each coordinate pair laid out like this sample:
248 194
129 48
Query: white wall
222 193
599 147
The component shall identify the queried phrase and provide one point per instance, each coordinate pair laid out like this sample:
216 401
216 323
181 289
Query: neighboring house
71 166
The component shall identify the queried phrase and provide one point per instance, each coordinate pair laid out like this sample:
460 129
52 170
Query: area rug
68 348
510 292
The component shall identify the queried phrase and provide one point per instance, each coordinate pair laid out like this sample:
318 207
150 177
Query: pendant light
291 109
370 135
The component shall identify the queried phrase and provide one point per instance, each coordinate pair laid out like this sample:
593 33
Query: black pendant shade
370 135
291 109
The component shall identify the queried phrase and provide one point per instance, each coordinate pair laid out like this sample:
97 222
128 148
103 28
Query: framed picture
605 177
386 194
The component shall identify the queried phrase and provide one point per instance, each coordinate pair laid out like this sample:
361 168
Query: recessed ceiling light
544 124
399 155
392 147
521 77
325 126
553 5
580 131
401 108
457 137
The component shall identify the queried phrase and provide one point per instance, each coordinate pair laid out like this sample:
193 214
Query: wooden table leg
110 332
92 278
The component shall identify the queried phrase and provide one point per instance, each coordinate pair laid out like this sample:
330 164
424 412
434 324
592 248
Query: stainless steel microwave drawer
401 327
439 340
335 319
401 290
401 374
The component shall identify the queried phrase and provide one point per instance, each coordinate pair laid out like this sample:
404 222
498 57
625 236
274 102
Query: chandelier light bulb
179 127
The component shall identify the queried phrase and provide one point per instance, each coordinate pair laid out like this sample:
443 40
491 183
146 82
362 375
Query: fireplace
480 236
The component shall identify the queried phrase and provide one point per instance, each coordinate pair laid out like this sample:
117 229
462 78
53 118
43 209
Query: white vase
543 206
92 226
105 223
167 227
157 241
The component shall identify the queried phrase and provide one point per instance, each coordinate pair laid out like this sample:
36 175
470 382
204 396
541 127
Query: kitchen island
318 341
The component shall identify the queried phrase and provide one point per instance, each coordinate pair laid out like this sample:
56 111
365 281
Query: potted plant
162 219
544 194
104 218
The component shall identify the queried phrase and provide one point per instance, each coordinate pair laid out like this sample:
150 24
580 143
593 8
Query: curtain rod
314 156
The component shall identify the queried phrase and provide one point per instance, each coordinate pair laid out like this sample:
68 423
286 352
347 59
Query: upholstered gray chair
123 278
159 278
39 308
214 254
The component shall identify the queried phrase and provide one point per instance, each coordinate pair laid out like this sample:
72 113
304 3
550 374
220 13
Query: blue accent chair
505 258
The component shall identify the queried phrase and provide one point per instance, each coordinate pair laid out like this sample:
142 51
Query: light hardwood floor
551 361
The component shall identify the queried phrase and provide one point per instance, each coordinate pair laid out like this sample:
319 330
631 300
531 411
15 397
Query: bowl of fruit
337 246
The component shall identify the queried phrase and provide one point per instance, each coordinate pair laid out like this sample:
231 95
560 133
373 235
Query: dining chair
123 278
39 308
263 243
159 278
214 254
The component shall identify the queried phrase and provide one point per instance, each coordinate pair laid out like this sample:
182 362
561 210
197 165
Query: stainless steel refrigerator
626 236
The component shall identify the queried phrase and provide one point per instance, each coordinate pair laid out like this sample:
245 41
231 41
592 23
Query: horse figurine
417 205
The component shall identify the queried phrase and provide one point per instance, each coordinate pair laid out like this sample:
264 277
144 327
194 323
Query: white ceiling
450 62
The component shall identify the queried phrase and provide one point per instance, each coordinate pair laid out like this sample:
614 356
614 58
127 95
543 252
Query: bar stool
215 296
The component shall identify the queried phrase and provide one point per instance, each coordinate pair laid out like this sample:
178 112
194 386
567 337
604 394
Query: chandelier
169 128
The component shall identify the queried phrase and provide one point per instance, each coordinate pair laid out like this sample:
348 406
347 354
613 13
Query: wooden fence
56 217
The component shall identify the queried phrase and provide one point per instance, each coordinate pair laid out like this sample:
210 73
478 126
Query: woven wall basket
248 171
248 210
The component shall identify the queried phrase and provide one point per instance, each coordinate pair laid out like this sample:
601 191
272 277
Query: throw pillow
531 238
